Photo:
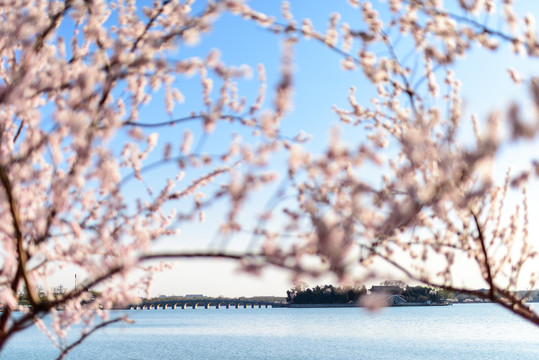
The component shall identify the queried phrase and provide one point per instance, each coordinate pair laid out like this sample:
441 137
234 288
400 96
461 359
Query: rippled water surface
483 331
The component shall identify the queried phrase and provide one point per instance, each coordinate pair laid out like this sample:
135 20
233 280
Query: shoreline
306 306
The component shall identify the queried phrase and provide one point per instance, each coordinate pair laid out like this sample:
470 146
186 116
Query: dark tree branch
499 296
481 239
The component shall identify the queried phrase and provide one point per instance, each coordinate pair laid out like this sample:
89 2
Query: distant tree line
422 294
328 294
22 295
525 295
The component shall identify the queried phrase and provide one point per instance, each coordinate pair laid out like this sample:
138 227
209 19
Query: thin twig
85 335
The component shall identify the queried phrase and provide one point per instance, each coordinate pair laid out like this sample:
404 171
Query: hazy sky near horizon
319 83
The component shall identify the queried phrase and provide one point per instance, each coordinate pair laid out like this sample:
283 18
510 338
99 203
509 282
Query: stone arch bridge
206 303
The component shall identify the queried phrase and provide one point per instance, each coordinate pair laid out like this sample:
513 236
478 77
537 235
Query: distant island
391 293
386 294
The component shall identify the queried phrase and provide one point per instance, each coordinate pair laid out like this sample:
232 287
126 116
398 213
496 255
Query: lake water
483 331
